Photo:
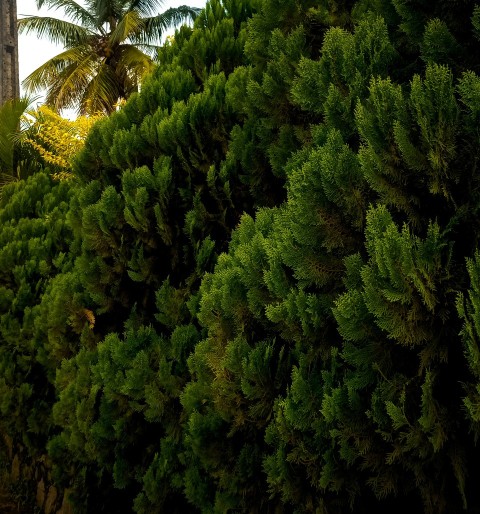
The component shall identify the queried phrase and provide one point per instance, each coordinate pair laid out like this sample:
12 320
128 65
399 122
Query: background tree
108 50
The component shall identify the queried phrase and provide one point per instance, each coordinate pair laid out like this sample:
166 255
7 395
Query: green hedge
261 291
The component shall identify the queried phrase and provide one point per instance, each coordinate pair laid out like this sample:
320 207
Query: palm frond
61 95
74 11
67 90
107 11
135 61
58 31
146 8
128 26
156 26
102 93
48 72
100 10
150 50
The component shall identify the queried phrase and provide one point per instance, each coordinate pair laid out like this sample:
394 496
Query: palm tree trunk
9 81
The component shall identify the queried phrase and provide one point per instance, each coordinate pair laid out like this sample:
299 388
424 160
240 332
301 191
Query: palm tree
108 49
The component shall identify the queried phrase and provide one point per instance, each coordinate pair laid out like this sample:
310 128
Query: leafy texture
259 291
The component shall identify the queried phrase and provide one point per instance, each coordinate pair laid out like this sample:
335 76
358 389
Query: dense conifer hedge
261 293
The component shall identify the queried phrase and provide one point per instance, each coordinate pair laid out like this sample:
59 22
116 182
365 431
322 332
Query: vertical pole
9 82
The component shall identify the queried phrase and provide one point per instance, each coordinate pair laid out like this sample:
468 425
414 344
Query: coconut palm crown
108 49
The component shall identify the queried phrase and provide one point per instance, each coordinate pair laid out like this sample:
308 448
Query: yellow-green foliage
56 139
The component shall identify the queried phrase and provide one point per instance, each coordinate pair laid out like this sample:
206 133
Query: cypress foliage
34 237
268 302
152 212
339 411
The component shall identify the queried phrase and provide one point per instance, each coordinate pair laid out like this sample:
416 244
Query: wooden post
9 82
